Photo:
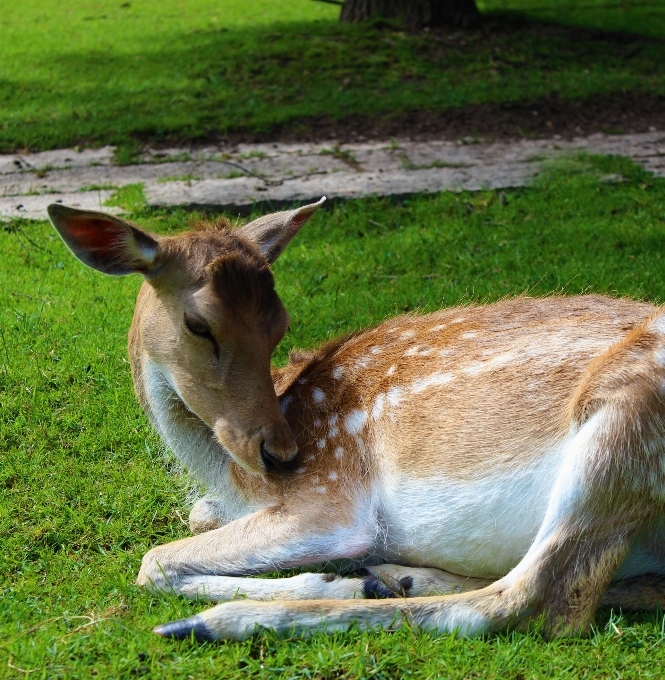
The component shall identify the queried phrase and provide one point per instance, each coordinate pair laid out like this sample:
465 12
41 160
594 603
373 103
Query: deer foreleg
267 540
384 581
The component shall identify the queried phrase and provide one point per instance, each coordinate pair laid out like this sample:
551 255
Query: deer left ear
272 233
105 242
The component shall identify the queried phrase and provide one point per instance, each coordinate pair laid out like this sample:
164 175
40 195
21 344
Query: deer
468 471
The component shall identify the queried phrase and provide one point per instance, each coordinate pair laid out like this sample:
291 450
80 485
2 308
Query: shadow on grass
313 76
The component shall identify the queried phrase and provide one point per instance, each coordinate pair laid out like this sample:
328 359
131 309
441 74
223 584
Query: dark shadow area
621 113
512 77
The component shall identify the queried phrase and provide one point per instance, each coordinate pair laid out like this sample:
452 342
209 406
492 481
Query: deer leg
424 581
639 585
637 593
306 586
208 564
592 517
385 580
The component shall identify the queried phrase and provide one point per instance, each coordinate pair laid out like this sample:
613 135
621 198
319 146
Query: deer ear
272 233
104 242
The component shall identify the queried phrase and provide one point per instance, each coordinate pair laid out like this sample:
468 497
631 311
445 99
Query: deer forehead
218 275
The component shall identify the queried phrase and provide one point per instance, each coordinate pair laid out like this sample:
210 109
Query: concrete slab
236 178
34 207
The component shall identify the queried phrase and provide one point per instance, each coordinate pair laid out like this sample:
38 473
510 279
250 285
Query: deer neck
189 439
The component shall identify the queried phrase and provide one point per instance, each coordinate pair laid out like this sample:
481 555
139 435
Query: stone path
234 179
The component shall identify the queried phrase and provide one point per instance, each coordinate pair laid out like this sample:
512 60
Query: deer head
208 318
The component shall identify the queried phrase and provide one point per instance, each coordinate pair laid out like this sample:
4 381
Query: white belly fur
479 527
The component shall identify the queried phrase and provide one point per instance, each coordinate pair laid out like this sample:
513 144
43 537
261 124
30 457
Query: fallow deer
480 466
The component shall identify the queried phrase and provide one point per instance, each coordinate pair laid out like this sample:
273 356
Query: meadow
86 488
167 71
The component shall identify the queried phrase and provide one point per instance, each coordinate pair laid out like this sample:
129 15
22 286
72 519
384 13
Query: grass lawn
86 491
126 73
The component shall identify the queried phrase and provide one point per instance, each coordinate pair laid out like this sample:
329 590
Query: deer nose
272 463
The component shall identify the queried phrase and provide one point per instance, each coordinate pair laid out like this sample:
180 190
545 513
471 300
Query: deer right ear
272 233
104 242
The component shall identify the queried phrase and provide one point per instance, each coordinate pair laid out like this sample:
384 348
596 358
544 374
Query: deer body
514 451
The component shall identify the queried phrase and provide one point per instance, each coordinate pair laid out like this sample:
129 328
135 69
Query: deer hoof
194 626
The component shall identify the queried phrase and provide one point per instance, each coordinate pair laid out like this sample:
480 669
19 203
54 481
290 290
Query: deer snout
265 448
278 452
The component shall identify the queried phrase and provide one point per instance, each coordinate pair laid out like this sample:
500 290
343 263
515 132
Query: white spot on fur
300 470
378 406
332 420
355 421
363 363
338 372
659 356
469 335
459 319
440 327
395 396
412 351
375 350
407 334
475 368
391 370
321 443
309 458
505 359
658 324
431 381
339 452
332 476
315 480
321 489
426 351
318 395
333 432
317 422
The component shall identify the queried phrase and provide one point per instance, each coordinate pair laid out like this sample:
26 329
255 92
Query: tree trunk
414 13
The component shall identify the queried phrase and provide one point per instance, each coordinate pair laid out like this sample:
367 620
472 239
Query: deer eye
198 327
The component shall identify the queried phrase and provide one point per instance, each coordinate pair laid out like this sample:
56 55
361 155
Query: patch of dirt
614 114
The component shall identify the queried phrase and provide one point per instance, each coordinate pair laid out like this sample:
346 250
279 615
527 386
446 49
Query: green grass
85 490
148 71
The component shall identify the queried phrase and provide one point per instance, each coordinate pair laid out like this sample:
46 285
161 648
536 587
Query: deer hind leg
604 495
645 592
639 585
